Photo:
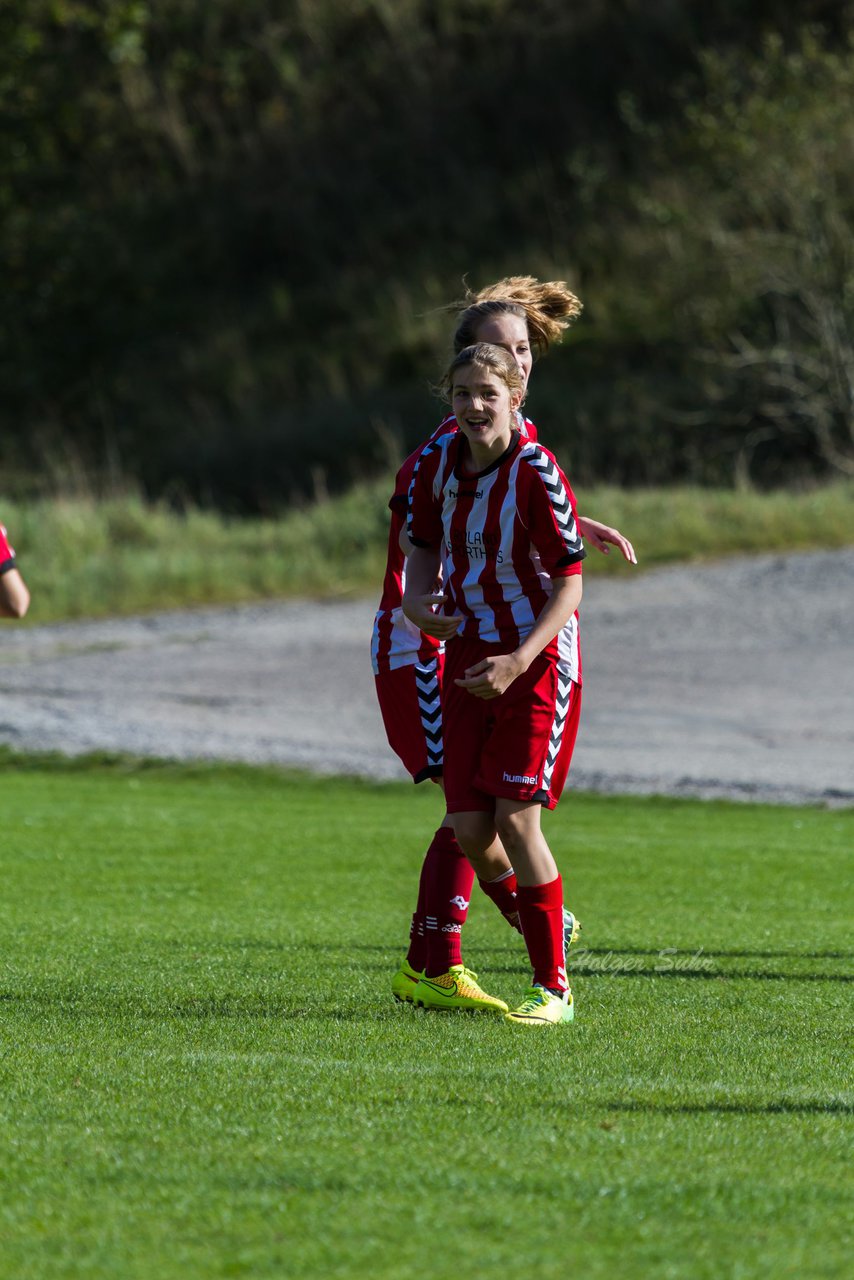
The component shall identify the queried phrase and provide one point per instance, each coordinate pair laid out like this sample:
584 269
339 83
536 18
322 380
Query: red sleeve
402 481
552 518
398 500
424 523
7 554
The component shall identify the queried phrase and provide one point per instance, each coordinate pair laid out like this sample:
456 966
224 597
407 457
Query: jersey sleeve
403 479
7 554
424 517
398 500
552 517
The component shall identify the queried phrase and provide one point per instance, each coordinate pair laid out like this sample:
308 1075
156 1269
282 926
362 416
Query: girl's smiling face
484 407
511 333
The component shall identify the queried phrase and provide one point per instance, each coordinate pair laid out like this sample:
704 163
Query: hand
599 535
419 609
490 677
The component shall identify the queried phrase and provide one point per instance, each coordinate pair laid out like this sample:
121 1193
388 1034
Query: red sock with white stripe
502 891
448 895
541 914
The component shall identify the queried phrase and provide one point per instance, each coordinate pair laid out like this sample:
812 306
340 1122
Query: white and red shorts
411 706
518 746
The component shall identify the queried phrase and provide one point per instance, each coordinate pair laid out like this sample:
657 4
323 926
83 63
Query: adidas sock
502 891
541 914
449 892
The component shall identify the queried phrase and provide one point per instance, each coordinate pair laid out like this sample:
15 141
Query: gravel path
728 680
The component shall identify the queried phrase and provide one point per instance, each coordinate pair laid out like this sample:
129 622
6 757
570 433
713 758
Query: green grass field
203 1074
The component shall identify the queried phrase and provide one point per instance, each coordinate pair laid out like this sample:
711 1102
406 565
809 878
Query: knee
474 832
510 828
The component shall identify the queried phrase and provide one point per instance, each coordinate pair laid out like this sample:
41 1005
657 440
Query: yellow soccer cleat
404 982
541 1008
456 989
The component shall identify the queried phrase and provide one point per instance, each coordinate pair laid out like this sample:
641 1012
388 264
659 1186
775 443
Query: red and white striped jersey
503 534
395 641
7 553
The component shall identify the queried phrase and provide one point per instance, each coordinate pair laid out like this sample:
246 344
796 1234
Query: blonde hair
548 307
486 356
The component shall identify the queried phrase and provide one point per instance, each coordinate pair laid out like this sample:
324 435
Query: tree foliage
229 228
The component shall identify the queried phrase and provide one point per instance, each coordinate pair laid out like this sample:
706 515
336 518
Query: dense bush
229 228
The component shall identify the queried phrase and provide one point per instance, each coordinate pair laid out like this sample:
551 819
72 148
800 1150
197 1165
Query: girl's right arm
423 566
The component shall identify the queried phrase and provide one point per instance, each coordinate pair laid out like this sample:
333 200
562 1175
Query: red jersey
7 554
395 641
504 533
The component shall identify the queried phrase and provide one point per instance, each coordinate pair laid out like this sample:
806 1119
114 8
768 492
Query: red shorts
518 746
410 702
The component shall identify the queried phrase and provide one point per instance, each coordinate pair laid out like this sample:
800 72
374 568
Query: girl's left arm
490 677
601 534
14 595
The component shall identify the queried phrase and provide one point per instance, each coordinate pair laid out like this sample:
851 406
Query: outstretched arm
599 535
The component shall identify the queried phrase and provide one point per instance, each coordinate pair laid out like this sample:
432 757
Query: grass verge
83 558
203 1073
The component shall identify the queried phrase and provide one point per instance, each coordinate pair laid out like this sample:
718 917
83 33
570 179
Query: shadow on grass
782 1106
723 955
669 969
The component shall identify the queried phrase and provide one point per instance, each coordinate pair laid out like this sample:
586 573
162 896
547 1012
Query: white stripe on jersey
504 574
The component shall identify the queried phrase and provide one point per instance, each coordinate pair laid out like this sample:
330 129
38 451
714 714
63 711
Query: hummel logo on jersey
468 493
459 901
521 777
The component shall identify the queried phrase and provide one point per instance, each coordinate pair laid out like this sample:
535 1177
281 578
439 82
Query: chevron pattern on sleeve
550 474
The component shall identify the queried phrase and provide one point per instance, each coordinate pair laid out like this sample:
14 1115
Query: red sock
417 954
541 914
502 892
447 905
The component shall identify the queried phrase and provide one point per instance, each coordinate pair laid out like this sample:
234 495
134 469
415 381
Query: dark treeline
229 227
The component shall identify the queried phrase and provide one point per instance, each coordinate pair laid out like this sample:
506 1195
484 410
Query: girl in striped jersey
524 316
494 514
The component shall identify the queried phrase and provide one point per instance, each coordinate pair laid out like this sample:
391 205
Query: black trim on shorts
8 564
429 771
540 797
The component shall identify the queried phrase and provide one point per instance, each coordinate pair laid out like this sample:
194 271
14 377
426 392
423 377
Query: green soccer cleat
404 982
541 1008
456 989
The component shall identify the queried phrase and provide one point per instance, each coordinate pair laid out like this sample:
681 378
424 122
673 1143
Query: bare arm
14 596
423 567
490 677
599 535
